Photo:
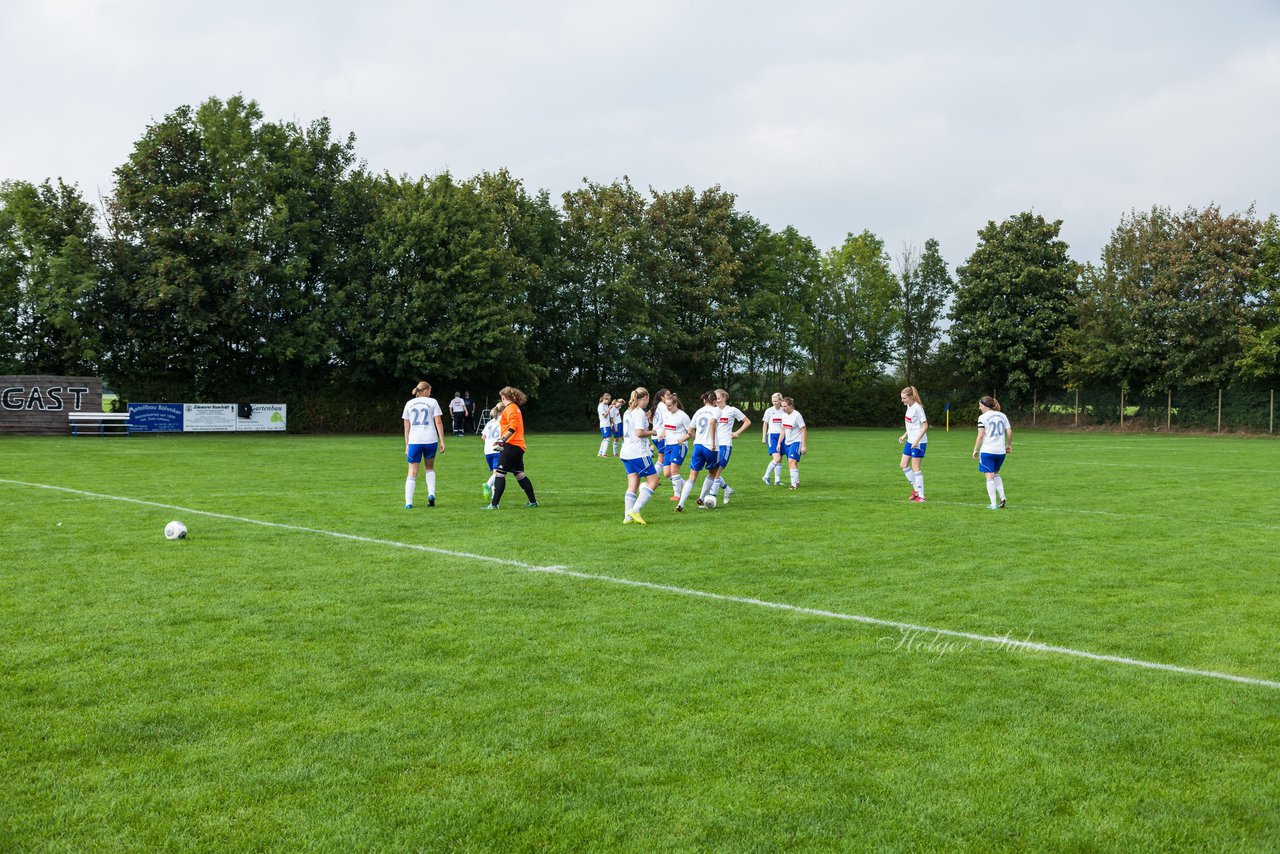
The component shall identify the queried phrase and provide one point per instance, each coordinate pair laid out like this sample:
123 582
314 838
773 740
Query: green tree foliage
1166 307
856 314
222 232
1260 334
924 285
1012 303
49 269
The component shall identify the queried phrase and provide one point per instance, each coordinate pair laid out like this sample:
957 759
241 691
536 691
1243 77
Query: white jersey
675 427
492 432
773 417
421 413
659 419
457 405
614 417
792 427
634 448
996 435
704 423
729 417
603 411
915 423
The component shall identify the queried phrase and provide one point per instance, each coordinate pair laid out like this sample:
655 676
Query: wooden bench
118 421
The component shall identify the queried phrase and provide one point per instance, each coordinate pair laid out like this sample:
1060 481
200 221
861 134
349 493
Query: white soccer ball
175 531
709 502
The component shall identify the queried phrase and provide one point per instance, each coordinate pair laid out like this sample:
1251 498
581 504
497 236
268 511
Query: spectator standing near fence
458 409
470 403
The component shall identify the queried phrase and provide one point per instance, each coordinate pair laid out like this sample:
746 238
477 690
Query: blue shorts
660 445
704 457
726 451
617 431
673 454
642 466
773 443
605 432
791 452
492 460
990 463
418 453
909 450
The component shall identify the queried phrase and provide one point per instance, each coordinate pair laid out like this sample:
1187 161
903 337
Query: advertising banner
208 417
263 417
32 404
155 418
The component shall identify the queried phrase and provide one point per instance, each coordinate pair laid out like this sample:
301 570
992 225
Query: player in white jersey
492 433
706 448
675 428
423 439
770 430
793 441
657 413
606 429
729 415
615 424
995 439
914 441
637 457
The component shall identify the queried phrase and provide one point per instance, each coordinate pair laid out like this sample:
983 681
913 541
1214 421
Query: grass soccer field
316 667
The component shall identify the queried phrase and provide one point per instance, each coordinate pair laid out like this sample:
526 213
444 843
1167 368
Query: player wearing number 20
423 439
995 439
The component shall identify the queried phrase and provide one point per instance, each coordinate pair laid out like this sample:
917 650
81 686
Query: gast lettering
18 398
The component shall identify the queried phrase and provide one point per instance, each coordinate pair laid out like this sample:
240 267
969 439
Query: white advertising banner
264 417
208 417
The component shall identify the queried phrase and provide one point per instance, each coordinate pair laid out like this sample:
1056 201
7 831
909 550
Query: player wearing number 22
423 439
995 439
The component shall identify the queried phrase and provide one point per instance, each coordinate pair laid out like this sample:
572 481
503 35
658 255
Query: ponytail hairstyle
676 405
638 395
786 401
514 395
709 397
990 402
912 395
606 397
422 388
497 409
657 398
776 398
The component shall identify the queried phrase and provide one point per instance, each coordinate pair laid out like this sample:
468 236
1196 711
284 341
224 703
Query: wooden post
1122 408
1168 413
1077 406
1033 408
1219 410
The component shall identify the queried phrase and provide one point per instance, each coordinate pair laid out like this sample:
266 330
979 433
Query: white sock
720 482
911 478
795 477
706 487
677 483
409 484
991 490
645 494
431 482
768 470
684 492
920 483
630 501
492 476
604 446
777 472
999 482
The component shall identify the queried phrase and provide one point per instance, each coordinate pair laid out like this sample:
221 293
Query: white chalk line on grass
1001 642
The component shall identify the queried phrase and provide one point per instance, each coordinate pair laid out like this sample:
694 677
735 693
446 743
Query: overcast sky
910 119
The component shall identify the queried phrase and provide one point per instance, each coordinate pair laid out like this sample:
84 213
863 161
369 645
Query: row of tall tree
239 258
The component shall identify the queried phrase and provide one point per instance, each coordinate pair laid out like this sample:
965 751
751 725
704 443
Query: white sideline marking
687 591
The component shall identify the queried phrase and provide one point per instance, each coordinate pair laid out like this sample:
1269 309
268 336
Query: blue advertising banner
155 418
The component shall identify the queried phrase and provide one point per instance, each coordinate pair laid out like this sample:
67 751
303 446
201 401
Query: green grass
262 687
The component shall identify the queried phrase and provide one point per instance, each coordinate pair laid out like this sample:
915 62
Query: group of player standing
665 430
995 440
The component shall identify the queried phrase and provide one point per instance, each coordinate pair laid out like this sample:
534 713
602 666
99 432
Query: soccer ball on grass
709 502
175 531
